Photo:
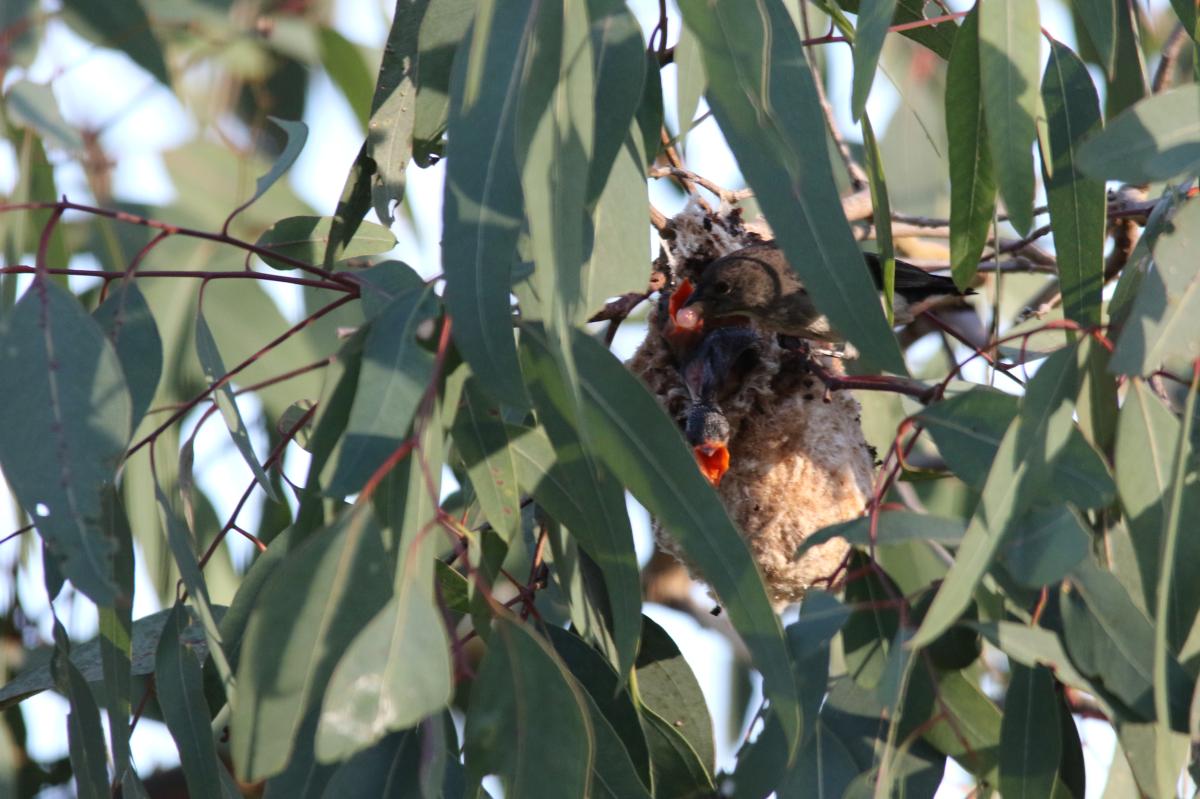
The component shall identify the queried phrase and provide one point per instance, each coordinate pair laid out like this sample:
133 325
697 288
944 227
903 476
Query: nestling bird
712 370
758 282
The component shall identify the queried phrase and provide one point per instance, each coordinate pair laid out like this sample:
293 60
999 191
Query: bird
711 370
758 282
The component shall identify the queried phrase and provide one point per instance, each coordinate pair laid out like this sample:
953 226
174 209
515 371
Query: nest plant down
798 458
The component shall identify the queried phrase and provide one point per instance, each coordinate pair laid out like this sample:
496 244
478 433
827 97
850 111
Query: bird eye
721 287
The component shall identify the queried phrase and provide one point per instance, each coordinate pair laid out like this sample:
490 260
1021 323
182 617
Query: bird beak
713 460
685 316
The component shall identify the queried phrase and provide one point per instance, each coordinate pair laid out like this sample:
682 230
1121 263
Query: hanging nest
798 459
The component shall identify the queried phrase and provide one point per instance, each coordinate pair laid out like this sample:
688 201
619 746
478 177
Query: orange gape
713 460
689 322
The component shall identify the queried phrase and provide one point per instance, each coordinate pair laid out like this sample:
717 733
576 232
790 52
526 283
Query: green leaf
127 321
1164 322
404 765
307 614
296 134
304 238
1030 743
34 106
882 211
617 263
1009 35
1147 433
634 438
677 768
348 71
482 440
1186 11
667 687
874 17
85 736
351 208
453 588
1033 443
1077 203
1035 646
968 430
1156 139
690 81
525 705
618 52
68 424
556 119
1112 643
1187 456
874 620
852 716
397 670
393 108
892 527
972 182
214 371
603 685
1128 83
482 206
116 639
384 282
1099 17
121 25
579 491
88 658
178 681
762 93
1044 546
444 25
181 543
396 369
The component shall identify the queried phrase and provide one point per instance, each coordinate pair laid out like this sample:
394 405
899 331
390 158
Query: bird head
707 430
741 284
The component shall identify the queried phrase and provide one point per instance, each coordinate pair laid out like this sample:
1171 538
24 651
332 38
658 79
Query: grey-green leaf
1030 742
1156 139
482 207
69 422
129 325
393 108
762 93
1164 322
874 17
1009 34
972 182
395 371
1033 443
1077 203
179 682
582 493
525 706
214 373
309 611
122 25
667 686
634 438
85 736
482 440
304 238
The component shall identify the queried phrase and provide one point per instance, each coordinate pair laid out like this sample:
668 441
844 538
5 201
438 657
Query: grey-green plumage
758 282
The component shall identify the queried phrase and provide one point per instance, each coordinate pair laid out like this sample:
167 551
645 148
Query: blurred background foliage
410 562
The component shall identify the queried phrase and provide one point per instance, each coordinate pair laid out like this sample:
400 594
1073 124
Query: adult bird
759 283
